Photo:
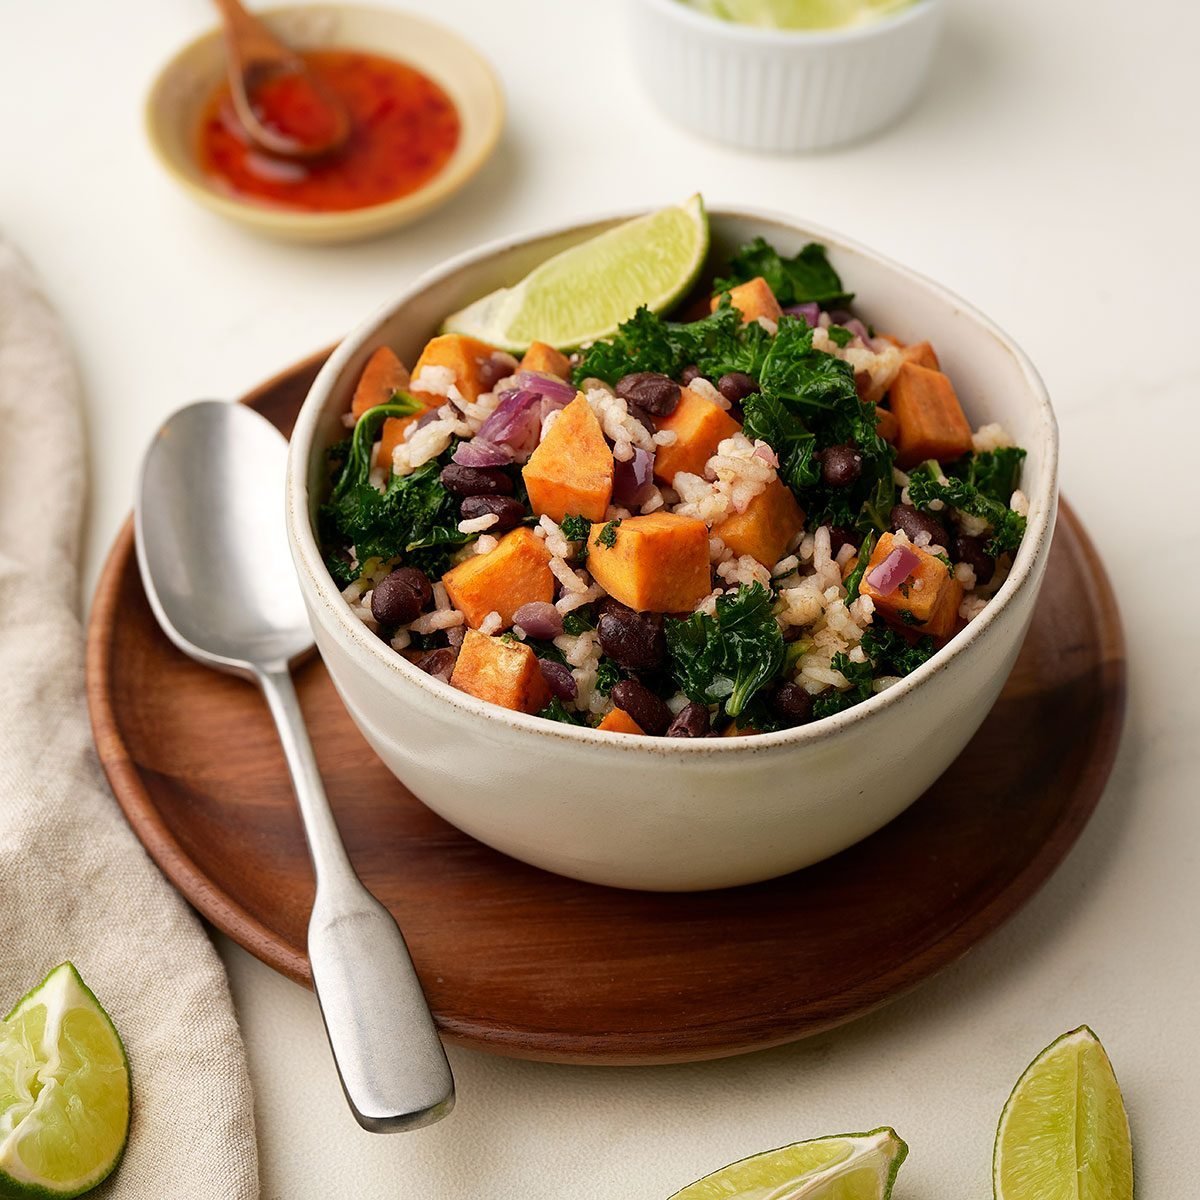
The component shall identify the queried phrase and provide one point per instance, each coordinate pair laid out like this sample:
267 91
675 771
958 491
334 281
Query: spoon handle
389 1057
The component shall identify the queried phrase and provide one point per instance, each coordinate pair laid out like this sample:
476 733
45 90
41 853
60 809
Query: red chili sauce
404 129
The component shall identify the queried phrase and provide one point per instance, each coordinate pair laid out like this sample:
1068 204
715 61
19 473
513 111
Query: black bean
631 639
559 679
840 536
476 481
840 466
656 393
495 368
736 386
650 713
646 418
792 704
914 522
691 721
973 552
511 512
690 372
439 662
399 597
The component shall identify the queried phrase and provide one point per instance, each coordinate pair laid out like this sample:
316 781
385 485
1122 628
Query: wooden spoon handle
250 41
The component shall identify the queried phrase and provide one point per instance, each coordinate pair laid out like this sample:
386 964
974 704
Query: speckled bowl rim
316 581
346 223
758 35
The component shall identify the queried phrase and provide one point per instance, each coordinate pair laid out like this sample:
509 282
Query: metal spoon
215 564
255 57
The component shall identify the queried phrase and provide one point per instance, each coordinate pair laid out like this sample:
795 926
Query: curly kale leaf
556 710
727 658
996 473
1007 527
859 676
892 654
804 278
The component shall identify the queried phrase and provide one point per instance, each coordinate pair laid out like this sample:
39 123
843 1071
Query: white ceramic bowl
183 86
780 89
677 814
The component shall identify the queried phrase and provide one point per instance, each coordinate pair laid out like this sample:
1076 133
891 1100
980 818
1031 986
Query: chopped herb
728 658
839 335
556 710
907 617
608 675
607 537
855 578
804 278
860 677
1007 527
575 528
579 620
546 650
892 654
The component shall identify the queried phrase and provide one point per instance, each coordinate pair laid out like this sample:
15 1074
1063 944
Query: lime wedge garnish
1064 1134
801 14
585 292
854 1166
64 1091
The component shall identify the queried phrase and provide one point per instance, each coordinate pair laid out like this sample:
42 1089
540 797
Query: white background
1050 174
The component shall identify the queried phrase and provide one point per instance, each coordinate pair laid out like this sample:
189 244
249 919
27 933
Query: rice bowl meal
745 516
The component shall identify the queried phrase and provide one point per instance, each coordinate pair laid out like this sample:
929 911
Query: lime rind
828 1168
66 1022
585 292
802 14
1035 1157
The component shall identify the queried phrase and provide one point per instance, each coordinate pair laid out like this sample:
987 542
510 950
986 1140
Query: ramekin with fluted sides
780 89
678 814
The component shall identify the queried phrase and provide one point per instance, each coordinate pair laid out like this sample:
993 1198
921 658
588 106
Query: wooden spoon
313 123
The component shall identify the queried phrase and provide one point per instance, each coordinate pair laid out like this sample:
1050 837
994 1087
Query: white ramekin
678 814
780 90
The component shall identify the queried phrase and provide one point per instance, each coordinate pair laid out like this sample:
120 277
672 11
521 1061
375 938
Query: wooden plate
521 962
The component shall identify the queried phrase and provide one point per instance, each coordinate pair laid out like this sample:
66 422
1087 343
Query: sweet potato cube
886 424
922 601
516 572
382 377
922 354
764 530
464 356
699 425
656 563
547 360
506 673
932 422
619 721
571 471
753 299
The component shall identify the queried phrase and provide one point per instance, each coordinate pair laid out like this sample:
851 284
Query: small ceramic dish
178 95
781 89
678 814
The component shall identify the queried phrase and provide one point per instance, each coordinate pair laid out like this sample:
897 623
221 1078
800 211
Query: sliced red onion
479 452
548 385
893 571
633 479
811 312
562 682
539 619
768 455
430 414
840 316
856 327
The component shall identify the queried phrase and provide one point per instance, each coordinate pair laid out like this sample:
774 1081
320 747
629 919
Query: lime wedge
64 1091
1064 1134
801 14
854 1166
585 292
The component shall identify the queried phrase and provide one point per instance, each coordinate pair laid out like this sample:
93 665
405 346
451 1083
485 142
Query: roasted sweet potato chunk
753 299
927 601
699 426
547 360
932 422
886 424
571 471
655 563
922 354
619 721
515 573
382 377
464 356
764 530
505 672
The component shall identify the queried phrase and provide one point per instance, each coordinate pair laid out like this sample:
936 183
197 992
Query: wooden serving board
521 962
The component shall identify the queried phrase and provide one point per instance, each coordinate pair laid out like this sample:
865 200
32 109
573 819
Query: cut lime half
801 14
64 1091
585 292
1064 1133
853 1166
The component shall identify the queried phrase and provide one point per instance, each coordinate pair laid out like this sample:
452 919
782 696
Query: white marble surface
1050 174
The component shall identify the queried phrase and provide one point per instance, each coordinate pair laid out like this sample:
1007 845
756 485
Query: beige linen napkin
74 882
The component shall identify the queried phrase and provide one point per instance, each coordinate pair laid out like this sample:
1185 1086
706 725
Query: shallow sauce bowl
671 814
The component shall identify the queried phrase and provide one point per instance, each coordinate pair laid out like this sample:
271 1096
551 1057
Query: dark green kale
855 578
608 675
414 517
727 659
575 528
860 676
1007 527
996 473
839 335
579 620
607 537
556 710
892 654
805 278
